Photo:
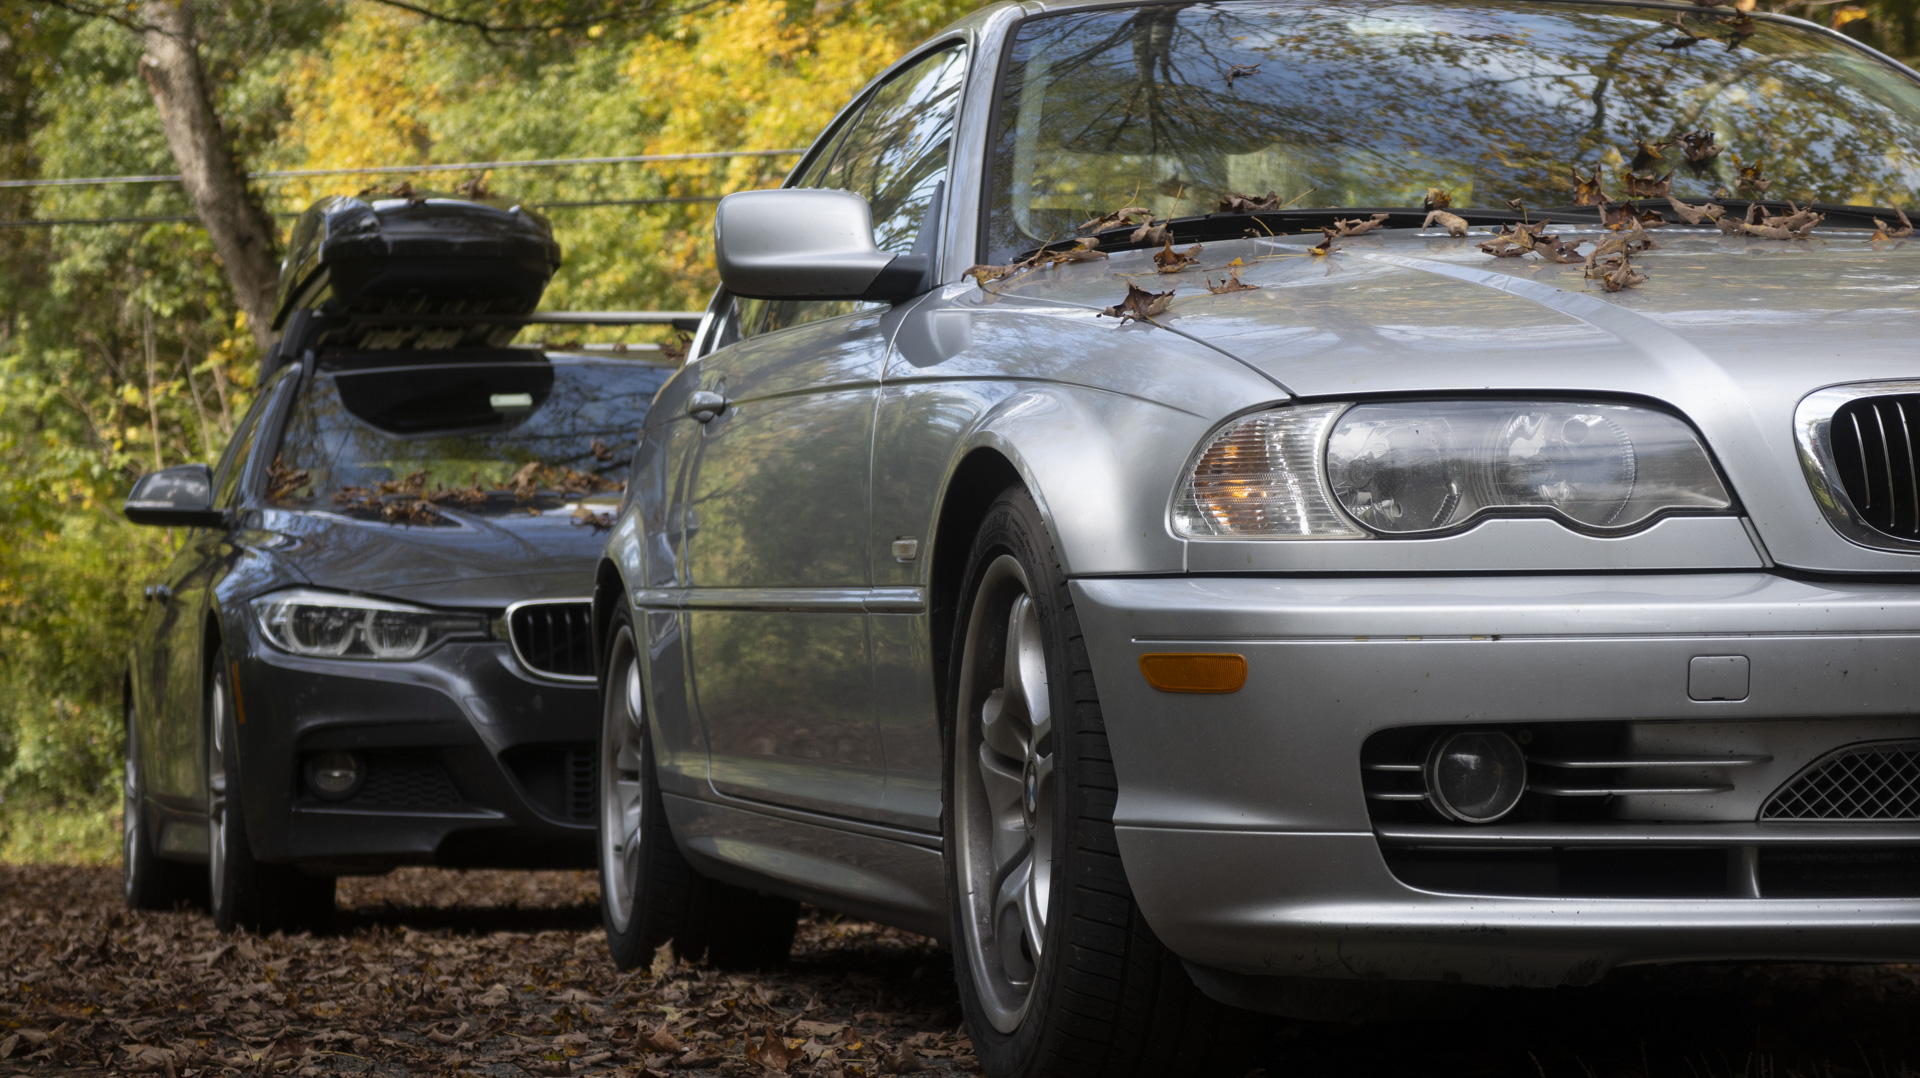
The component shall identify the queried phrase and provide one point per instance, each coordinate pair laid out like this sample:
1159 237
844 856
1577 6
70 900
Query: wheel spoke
1026 674
1000 727
1007 837
1009 920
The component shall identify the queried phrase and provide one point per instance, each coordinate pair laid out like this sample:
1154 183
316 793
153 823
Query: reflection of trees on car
1367 104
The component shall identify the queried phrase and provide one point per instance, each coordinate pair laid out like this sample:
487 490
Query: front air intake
554 638
1876 781
1875 454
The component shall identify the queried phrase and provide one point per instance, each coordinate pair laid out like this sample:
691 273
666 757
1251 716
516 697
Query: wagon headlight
1424 467
330 625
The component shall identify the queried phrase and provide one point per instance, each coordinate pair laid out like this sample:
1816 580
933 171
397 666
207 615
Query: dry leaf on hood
476 189
985 273
597 521
1325 246
1117 219
1560 251
1648 186
1622 275
1081 251
1169 260
1152 233
1139 306
1624 216
1699 146
1453 223
1353 226
1884 232
1241 71
1503 247
1232 283
1587 190
1693 215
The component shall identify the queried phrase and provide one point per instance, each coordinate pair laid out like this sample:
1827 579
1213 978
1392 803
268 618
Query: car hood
1731 331
471 560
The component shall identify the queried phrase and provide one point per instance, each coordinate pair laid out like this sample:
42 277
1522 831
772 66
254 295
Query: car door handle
158 591
704 404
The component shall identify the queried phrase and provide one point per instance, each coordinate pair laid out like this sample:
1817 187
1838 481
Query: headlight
1425 467
331 625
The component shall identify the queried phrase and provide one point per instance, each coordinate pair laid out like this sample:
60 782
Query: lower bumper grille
1860 782
405 780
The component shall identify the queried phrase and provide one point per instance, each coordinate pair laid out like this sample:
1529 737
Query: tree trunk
243 235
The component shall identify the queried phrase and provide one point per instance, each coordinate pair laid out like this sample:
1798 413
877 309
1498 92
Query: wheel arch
609 590
979 478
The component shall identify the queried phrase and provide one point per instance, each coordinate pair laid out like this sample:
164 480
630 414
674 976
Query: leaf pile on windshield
1353 226
403 190
1587 190
1751 178
1232 283
1168 260
1884 232
597 521
284 482
1649 186
1139 305
1437 199
1117 219
1455 224
1699 146
1267 203
535 478
407 501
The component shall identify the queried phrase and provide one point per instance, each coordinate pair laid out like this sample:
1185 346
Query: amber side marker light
1186 671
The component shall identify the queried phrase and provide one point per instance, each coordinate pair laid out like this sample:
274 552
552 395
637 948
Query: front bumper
1244 825
471 762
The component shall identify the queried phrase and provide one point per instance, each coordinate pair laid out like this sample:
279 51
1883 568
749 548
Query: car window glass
233 462
894 154
487 438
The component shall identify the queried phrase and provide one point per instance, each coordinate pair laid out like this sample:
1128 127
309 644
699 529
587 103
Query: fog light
1476 776
335 776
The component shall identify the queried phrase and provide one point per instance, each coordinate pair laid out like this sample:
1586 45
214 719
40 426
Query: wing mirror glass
180 496
797 243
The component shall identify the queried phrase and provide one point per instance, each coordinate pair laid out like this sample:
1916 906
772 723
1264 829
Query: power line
467 166
51 222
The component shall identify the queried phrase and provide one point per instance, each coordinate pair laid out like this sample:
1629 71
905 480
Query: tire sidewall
1013 526
622 941
136 852
224 892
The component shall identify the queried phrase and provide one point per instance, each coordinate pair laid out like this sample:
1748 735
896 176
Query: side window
233 462
894 153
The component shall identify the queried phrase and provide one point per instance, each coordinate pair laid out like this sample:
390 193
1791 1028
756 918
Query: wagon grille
1875 454
555 639
1862 782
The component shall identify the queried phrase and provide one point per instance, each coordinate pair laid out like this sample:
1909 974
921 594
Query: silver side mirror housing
180 496
796 243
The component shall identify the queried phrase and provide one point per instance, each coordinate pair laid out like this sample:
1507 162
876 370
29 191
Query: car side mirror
797 243
180 496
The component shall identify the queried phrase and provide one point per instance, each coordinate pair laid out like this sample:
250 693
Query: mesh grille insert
406 780
554 638
1879 781
1876 450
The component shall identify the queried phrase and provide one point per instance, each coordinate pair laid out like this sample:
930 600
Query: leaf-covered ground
499 973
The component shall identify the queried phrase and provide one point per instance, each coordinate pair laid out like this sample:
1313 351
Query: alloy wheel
1003 763
130 822
217 792
623 791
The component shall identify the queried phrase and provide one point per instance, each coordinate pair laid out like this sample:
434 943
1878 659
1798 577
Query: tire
649 895
1058 972
242 892
150 882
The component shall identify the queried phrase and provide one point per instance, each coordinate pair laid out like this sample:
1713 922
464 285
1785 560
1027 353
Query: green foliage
121 350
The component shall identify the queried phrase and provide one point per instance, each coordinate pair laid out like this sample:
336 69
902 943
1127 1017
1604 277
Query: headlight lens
331 625
1425 467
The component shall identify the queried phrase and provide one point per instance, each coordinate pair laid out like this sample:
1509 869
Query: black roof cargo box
351 261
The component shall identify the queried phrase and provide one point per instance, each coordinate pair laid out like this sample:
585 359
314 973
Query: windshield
406 444
1371 105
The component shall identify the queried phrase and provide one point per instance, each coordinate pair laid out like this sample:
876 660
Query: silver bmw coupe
1212 504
